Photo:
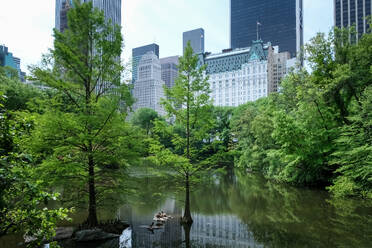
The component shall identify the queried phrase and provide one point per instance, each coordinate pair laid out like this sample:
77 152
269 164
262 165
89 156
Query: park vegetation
72 140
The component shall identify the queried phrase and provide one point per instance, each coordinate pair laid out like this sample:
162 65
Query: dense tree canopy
316 131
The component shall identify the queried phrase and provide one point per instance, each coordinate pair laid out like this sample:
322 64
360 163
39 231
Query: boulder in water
63 233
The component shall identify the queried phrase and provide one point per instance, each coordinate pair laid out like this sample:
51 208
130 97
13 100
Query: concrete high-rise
169 70
196 38
278 22
352 12
148 88
111 9
137 54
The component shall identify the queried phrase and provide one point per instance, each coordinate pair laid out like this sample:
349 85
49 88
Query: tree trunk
92 217
187 230
186 219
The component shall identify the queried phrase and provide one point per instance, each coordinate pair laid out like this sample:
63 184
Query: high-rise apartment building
237 76
277 21
148 88
352 12
137 54
7 59
196 38
169 70
111 9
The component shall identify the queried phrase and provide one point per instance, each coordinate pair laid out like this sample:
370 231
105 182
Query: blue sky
27 31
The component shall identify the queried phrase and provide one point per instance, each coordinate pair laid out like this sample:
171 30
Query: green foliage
218 147
9 72
19 95
316 131
82 139
144 118
354 153
24 207
23 203
188 105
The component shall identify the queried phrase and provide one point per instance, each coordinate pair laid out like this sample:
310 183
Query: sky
26 26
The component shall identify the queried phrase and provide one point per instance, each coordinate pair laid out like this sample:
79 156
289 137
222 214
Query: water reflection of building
220 231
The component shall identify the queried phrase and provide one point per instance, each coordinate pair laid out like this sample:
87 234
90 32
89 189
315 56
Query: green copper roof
257 52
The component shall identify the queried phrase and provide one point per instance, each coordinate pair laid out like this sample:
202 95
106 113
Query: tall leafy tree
87 144
188 105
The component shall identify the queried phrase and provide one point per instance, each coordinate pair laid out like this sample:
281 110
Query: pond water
241 210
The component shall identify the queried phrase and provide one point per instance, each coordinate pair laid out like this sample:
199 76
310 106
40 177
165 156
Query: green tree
188 104
87 145
19 96
316 130
23 203
354 153
218 147
145 118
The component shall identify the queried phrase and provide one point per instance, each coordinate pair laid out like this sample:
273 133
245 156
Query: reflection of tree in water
150 195
247 210
283 216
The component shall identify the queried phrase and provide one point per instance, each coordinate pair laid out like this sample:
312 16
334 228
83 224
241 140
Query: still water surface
240 210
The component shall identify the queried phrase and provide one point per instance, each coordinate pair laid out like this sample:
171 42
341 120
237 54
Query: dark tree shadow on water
187 230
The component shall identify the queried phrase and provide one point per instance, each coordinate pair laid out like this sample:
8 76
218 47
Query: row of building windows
248 70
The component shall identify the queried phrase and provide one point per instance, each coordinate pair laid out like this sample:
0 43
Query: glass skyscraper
352 12
196 38
111 8
279 22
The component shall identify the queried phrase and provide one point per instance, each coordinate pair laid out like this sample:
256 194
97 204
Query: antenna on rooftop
258 24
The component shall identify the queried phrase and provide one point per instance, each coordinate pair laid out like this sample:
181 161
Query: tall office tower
278 22
196 38
148 88
66 6
352 12
137 54
111 8
169 70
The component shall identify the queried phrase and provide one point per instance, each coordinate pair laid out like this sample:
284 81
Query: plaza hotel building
241 75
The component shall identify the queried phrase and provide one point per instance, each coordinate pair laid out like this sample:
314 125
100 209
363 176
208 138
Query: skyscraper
111 8
148 88
196 38
352 12
169 70
137 54
277 21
